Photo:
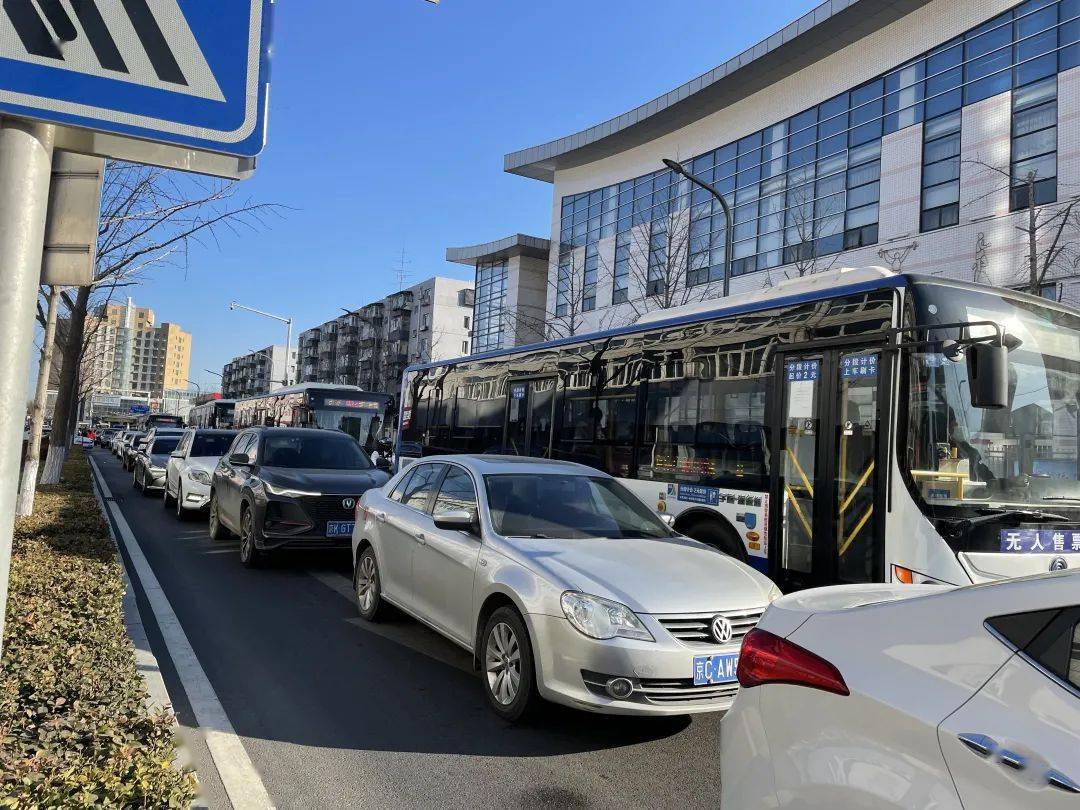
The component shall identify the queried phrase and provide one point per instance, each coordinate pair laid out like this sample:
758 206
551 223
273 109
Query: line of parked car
565 587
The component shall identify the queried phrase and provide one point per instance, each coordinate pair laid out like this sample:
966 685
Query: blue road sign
140 409
191 73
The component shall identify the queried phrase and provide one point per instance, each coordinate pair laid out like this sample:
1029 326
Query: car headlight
602 618
202 476
774 594
285 492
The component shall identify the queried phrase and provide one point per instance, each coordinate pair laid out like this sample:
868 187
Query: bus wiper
1061 498
963 526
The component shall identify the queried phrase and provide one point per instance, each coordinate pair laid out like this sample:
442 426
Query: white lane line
238 775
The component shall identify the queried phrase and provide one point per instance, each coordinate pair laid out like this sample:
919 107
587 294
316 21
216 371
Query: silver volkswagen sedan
562 584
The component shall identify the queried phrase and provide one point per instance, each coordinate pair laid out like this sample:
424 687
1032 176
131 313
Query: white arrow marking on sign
79 56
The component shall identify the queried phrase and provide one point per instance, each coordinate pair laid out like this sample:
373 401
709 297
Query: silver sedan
562 584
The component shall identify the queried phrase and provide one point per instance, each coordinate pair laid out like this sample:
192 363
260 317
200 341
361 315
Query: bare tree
150 218
804 218
1051 231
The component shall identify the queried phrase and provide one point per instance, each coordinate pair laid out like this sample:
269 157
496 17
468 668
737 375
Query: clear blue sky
388 125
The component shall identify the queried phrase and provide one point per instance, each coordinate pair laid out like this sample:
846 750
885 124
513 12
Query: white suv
187 475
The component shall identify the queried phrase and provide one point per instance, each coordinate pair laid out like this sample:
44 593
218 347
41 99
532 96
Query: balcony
398 334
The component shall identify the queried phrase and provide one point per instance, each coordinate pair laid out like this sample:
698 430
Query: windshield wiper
529 536
1061 498
963 526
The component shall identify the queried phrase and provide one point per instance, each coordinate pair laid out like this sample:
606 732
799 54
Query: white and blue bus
850 426
217 413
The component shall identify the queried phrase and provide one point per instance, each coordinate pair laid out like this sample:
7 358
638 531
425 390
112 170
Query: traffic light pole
25 172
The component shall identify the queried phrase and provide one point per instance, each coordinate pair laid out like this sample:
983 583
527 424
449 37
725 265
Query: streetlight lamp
215 373
678 168
198 388
288 325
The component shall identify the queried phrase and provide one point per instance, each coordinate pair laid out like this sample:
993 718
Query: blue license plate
339 528
715 668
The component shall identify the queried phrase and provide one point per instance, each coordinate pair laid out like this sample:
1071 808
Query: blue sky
388 125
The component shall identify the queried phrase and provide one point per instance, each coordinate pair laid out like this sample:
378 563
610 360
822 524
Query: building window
1034 144
656 282
488 310
464 347
564 282
466 322
620 289
941 172
588 288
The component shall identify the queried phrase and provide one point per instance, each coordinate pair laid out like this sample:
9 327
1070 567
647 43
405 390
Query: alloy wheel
502 663
247 537
366 583
179 500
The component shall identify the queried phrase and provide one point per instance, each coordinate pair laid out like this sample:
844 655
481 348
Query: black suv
289 488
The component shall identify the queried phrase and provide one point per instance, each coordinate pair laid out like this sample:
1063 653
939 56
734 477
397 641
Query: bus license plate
715 668
339 528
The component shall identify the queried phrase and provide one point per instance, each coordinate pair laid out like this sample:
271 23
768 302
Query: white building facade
909 135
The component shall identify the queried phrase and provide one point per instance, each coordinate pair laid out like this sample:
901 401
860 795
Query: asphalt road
336 712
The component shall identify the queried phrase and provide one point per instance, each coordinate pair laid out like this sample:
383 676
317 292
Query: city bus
364 415
148 421
849 426
217 413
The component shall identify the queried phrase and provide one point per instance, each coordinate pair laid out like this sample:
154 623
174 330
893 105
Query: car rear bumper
573 669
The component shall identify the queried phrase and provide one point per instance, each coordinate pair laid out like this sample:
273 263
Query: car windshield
569 507
164 445
1024 454
211 444
318 450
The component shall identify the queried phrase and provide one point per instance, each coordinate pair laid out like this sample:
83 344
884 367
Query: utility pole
28 485
288 333
25 173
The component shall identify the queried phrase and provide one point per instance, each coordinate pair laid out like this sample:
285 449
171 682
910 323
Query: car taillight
766 658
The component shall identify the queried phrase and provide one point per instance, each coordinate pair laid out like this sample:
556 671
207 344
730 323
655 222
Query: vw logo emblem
721 629
1058 564
348 503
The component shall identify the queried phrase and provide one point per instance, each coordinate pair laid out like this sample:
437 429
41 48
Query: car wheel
507 661
135 477
181 514
367 586
250 555
167 500
144 489
216 527
719 537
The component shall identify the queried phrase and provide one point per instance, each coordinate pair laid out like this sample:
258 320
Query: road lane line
238 775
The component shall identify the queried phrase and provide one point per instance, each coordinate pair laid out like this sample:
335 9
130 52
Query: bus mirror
988 375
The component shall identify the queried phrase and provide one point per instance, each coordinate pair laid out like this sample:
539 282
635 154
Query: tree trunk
67 395
24 505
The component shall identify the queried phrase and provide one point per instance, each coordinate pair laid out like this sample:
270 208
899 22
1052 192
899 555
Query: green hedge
74 728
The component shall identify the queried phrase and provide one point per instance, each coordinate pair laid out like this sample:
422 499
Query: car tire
367 586
251 556
135 477
217 529
181 513
712 533
505 648
167 500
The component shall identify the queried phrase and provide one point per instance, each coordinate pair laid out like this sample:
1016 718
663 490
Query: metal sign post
25 169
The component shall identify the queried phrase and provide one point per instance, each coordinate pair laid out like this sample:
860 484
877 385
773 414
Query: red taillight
766 658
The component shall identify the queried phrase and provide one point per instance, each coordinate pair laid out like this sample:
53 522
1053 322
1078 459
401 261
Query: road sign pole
25 169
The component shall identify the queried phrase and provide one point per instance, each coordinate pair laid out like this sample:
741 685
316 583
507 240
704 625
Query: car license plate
715 668
339 528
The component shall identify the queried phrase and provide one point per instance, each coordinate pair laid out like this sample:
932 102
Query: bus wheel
716 534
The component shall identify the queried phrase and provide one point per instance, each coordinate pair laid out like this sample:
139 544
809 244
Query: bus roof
316 387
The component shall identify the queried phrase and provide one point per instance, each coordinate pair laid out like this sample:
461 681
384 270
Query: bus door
829 464
529 410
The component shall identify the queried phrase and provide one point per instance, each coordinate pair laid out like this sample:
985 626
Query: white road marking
238 775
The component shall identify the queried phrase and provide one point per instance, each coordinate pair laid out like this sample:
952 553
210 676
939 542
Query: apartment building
911 135
371 346
129 353
258 372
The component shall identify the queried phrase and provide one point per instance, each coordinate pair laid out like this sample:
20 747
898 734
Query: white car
190 467
910 696
561 583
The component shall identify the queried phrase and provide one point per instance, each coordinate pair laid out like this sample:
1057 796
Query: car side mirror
988 375
669 521
240 459
462 520
177 454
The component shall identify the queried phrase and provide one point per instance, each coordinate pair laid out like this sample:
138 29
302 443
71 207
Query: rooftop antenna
402 271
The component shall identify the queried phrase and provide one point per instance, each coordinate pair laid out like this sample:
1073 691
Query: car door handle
421 539
1059 780
979 743
1011 759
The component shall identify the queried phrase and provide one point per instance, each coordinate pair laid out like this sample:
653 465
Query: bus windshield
364 426
1022 455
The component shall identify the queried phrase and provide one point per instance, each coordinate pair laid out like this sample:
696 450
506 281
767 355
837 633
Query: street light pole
288 333
678 168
